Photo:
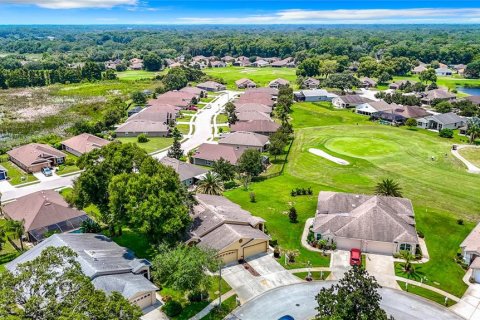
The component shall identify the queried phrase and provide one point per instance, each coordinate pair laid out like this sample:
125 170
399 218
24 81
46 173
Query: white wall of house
476 275
365 109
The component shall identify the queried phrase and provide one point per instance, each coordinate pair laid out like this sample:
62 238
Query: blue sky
237 12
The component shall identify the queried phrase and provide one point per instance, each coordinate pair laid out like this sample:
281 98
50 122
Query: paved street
298 300
203 124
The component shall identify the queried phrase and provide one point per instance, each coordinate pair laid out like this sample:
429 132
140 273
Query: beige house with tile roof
83 143
34 156
245 140
375 224
225 227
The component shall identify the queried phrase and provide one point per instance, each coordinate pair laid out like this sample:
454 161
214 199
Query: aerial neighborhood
223 173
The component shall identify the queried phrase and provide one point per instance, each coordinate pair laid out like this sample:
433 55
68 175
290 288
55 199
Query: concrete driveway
382 268
298 300
247 286
469 306
339 264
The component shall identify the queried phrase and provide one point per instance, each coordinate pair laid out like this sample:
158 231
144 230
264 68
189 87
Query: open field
472 155
261 76
131 75
153 143
375 152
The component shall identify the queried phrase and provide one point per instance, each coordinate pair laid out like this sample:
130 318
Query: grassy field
261 76
375 152
153 144
15 174
425 293
132 75
103 88
472 155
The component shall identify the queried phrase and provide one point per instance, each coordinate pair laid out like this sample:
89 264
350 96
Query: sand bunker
325 155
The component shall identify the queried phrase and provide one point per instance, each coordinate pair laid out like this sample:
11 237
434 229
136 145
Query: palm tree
407 256
473 130
389 188
211 184
17 229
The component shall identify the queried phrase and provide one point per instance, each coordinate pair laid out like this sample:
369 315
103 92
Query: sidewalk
212 305
426 286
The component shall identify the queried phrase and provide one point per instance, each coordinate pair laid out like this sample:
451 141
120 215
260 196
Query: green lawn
222 118
472 155
15 174
183 128
64 169
102 88
316 275
261 76
227 306
131 75
208 99
153 143
375 152
135 241
425 293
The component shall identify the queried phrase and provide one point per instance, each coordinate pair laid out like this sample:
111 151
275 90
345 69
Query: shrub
292 215
460 222
274 243
220 130
172 308
412 123
142 138
230 185
310 191
310 236
90 226
252 197
446 133
293 193
420 234
197 296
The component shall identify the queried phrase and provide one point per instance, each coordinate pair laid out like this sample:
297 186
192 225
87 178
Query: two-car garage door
365 246
255 249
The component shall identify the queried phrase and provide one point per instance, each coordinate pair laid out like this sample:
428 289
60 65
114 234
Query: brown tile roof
243 138
280 82
438 94
185 170
176 98
213 152
375 218
252 115
40 209
85 142
34 153
255 126
244 82
270 91
411 112
472 241
252 106
143 126
211 85
194 90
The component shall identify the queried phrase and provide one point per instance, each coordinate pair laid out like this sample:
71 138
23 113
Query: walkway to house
470 166
382 268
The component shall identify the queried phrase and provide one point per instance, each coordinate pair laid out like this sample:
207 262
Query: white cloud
66 4
361 16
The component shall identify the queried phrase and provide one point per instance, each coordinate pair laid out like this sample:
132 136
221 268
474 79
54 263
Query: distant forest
426 43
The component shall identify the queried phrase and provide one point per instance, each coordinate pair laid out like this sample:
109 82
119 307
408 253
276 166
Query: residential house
207 154
310 83
224 226
368 82
110 267
260 64
399 84
443 72
272 93
374 224
459 68
252 115
258 97
159 112
112 64
175 65
264 127
313 95
471 252
437 94
474 99
371 107
150 128
44 212
200 58
349 101
245 83
419 69
282 63
441 121
188 173
35 156
136 64
242 61
83 143
179 99
197 92
228 59
245 140
218 64
3 173
278 83
246 107
211 86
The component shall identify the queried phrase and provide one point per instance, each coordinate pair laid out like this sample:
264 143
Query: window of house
319 236
405 246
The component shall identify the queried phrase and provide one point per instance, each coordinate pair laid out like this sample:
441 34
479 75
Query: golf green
362 147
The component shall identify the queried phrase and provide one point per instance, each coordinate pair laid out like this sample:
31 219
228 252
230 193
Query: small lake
473 91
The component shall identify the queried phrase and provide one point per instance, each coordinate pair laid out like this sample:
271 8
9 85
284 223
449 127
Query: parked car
47 171
193 108
355 257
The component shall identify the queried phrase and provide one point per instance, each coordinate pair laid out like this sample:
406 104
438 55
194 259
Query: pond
473 91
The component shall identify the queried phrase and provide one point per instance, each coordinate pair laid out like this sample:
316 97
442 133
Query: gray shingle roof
472 241
447 118
244 138
227 234
375 218
128 284
184 170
